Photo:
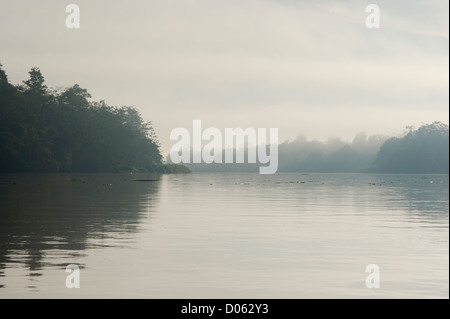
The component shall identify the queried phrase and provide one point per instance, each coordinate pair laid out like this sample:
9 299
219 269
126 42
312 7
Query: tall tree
35 84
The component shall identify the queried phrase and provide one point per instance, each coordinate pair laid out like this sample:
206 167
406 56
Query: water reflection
423 198
46 219
224 235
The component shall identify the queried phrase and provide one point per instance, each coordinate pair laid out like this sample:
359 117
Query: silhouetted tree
35 84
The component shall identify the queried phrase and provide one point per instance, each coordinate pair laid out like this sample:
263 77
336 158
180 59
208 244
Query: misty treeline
47 130
333 156
422 150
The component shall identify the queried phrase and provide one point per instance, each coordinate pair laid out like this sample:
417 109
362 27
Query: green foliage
425 150
47 131
35 84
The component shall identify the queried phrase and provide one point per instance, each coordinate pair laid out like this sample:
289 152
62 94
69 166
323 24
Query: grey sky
306 67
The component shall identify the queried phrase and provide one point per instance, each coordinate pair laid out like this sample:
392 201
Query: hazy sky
309 67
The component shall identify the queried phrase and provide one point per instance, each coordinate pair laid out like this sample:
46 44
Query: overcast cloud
309 67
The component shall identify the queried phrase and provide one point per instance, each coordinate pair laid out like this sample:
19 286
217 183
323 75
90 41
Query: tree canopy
44 130
425 150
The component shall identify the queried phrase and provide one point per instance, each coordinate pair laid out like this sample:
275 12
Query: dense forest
46 130
425 150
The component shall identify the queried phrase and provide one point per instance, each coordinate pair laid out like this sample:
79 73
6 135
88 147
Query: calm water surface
224 235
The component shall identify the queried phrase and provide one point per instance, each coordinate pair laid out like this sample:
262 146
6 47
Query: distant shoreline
160 169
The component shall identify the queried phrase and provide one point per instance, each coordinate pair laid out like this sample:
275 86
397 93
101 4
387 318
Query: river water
225 235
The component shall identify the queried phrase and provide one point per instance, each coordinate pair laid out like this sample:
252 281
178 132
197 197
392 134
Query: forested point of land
48 130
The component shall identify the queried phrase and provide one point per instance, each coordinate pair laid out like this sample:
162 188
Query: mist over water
111 105
224 235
